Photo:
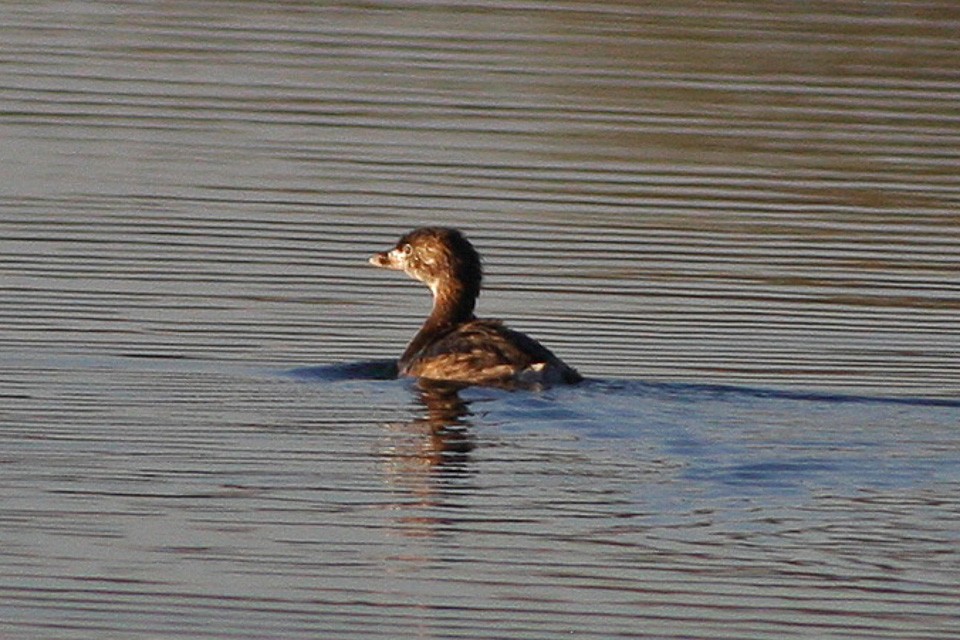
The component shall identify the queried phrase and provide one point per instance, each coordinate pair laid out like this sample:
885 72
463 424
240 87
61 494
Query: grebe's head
439 257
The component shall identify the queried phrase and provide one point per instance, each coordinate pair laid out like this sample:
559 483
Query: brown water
739 220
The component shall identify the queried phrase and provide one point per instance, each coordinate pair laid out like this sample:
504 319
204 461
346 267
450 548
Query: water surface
739 221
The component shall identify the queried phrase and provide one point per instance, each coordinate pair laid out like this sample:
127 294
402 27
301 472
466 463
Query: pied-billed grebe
453 344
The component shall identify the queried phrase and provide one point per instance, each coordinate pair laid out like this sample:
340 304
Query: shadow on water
361 370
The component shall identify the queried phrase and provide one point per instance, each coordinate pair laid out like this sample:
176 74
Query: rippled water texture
738 220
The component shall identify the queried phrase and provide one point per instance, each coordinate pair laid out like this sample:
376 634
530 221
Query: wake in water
387 370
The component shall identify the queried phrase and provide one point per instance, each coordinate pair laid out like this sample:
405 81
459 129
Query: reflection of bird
453 344
438 441
429 459
446 417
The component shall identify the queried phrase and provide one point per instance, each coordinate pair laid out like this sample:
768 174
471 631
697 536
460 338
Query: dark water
739 220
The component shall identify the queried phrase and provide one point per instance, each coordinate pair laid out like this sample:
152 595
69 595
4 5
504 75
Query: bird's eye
406 249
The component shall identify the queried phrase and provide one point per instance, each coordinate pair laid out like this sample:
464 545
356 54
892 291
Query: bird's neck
453 305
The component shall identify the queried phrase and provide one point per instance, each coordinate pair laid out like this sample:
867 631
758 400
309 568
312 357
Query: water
739 221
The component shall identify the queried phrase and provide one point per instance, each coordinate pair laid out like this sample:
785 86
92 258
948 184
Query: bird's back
485 351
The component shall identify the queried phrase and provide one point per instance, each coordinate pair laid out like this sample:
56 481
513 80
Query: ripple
739 221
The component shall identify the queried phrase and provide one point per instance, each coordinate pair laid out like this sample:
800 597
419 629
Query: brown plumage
453 344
